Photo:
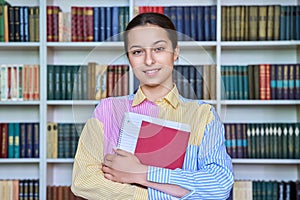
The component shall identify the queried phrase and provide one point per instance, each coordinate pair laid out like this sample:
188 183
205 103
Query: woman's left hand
124 167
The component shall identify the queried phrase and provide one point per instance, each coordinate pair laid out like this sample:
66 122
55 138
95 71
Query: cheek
135 61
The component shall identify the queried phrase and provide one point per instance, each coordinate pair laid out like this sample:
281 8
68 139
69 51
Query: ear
176 53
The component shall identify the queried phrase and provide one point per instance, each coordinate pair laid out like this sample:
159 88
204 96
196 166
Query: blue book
26 24
108 23
21 25
273 82
279 82
283 25
223 82
36 141
200 23
291 81
96 16
29 140
297 82
213 23
172 12
187 22
23 140
17 140
179 21
193 27
115 23
207 24
102 24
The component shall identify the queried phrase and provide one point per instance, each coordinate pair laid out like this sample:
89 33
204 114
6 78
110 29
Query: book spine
4 144
291 82
36 142
10 148
17 140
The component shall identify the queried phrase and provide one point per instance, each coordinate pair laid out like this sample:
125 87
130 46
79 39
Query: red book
262 82
4 140
74 16
156 142
50 23
88 32
268 82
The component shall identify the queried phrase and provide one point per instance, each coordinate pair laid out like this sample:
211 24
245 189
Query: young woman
103 172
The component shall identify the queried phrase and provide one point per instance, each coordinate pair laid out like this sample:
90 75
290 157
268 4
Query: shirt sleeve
88 180
213 174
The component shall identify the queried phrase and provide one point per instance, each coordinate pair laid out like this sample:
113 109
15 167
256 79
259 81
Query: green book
297 141
279 141
275 142
2 21
262 141
267 141
50 82
11 132
17 140
257 141
284 141
290 142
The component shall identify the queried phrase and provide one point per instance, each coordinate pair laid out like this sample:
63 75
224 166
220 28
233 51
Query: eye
137 52
159 49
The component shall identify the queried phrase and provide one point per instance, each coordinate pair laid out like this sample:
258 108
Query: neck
153 93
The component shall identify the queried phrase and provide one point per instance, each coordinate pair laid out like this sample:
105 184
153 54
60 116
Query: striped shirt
207 169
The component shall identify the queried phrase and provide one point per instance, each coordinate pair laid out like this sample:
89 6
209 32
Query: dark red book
88 33
74 20
50 23
156 142
4 141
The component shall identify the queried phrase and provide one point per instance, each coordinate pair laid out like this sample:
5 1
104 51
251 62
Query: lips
152 71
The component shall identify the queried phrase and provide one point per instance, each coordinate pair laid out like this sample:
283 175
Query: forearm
171 189
88 180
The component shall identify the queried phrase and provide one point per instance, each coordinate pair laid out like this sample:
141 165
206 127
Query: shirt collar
171 98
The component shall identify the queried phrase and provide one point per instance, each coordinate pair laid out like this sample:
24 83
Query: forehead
146 35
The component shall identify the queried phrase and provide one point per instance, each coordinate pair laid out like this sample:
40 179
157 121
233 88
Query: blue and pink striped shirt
207 170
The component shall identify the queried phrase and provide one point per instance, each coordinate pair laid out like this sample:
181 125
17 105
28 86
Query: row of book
192 22
19 189
19 140
263 190
261 81
61 192
62 139
263 140
86 24
86 82
263 22
19 82
19 23
196 82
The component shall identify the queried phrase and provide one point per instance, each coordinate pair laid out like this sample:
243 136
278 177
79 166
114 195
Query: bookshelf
59 171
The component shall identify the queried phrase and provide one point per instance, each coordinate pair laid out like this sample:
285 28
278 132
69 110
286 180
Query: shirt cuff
158 175
140 194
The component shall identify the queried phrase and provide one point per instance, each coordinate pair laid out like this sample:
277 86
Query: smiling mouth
150 72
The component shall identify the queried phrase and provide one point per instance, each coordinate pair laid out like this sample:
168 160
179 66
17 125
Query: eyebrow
138 46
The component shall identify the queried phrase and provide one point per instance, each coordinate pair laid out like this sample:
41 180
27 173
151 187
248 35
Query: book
156 142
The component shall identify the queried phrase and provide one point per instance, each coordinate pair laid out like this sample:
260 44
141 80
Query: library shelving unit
59 171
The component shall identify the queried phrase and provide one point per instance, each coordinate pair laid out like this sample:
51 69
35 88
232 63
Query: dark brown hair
155 19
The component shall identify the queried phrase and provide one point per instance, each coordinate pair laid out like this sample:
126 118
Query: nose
149 59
